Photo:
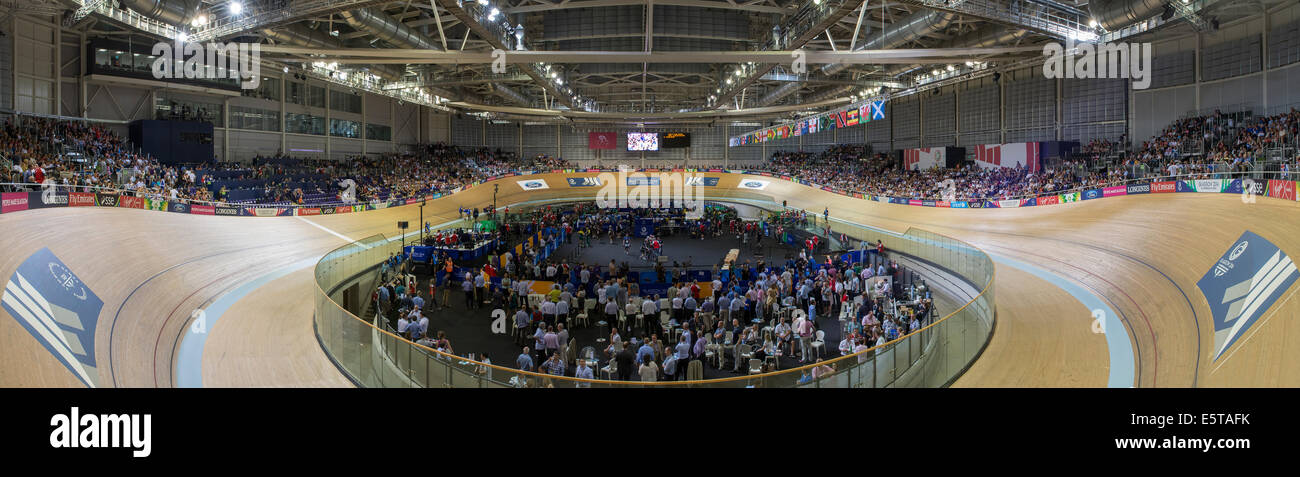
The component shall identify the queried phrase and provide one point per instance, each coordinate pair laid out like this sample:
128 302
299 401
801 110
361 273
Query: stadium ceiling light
1093 22
236 8
936 72
951 67
483 2
728 80
182 37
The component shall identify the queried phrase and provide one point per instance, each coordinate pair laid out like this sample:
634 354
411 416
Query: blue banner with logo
1184 186
583 181
49 300
1243 284
1091 194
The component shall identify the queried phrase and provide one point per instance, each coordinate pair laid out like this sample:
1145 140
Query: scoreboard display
671 140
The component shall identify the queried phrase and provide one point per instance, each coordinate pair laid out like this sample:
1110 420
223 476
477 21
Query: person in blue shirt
524 361
645 353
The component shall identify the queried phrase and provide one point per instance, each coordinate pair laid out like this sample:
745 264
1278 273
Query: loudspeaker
403 225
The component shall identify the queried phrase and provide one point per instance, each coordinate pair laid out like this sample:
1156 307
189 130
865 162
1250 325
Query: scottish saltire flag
1243 284
59 311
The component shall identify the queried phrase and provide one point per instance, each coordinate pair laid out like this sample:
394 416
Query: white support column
365 138
1060 86
225 123
81 79
1002 112
328 109
1200 42
58 69
284 121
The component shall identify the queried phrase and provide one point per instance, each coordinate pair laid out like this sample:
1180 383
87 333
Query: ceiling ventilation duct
384 27
174 12
510 94
1116 14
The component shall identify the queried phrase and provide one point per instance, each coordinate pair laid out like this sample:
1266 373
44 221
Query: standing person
649 371
525 360
468 286
583 372
626 360
803 329
627 243
683 357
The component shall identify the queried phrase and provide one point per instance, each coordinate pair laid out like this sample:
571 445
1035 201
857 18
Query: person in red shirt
880 247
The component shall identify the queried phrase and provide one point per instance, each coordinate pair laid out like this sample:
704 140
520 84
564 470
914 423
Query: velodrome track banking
145 274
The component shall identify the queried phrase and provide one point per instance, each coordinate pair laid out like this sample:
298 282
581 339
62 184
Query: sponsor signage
697 181
642 181
264 211
158 205
327 211
178 208
1185 186
41 200
1242 285
979 204
81 199
58 310
913 202
959 204
1091 194
533 184
1137 189
943 203
1164 187
226 211
1009 204
592 181
927 203
1282 189
308 211
1068 198
1114 191
13 202
1209 185
1049 200
106 199
203 210
753 184
131 202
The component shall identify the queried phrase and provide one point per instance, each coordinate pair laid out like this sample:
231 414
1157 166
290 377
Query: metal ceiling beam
724 5
811 20
892 56
494 36
256 18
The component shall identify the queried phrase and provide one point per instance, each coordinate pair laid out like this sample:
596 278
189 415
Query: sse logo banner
60 311
1243 284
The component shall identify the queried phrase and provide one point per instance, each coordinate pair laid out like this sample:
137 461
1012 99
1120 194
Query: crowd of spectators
82 154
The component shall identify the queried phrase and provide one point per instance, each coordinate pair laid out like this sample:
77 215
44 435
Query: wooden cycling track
1140 254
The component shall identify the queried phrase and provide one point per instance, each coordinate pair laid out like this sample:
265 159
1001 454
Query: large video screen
674 140
637 141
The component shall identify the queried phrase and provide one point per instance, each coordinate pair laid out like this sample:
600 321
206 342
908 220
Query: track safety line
322 227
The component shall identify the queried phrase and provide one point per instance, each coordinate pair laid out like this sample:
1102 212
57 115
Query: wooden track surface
1141 254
